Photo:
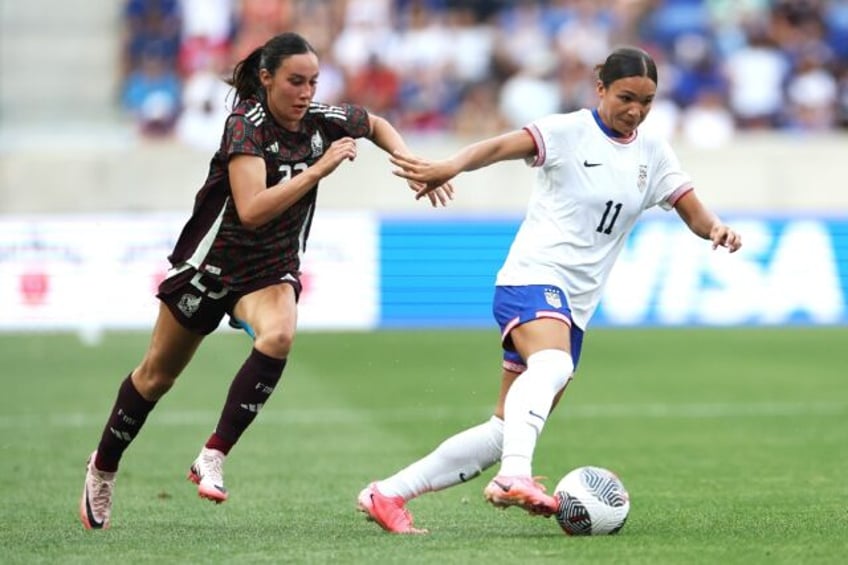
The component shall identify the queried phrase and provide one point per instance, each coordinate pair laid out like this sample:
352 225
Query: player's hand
339 150
723 236
427 175
438 196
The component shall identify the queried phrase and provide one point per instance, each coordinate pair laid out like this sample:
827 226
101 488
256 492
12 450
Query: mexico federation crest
643 178
189 304
317 145
552 297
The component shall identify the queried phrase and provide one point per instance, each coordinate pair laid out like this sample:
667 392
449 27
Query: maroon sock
249 391
128 415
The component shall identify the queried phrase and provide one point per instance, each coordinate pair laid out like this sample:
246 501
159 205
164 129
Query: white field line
165 417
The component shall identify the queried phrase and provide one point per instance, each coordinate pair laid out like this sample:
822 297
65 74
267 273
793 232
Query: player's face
626 102
291 88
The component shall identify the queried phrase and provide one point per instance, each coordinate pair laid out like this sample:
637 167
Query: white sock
456 460
527 406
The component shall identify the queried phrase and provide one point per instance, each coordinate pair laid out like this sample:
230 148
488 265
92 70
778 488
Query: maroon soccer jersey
214 241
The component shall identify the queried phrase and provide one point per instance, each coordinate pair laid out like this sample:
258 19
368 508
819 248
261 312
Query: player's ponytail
245 79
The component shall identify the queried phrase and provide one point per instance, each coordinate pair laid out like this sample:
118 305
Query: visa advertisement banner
360 271
791 270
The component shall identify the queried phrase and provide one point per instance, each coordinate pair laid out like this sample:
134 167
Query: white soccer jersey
589 192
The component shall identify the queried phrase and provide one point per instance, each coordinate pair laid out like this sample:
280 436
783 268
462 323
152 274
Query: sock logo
126 419
121 435
536 415
465 478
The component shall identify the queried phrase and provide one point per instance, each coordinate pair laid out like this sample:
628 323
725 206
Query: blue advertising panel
791 270
436 273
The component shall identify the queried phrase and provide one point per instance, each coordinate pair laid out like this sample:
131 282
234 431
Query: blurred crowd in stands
477 67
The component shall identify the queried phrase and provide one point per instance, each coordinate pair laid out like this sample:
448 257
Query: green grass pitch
733 444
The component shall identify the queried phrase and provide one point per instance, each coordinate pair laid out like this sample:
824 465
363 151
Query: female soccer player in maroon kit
239 255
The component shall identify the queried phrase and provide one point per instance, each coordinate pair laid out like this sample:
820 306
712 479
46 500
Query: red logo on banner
305 283
34 287
158 277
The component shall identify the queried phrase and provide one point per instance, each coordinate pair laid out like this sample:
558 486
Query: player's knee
151 382
555 363
275 343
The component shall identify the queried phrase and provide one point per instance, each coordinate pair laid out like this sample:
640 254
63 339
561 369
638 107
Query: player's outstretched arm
706 224
517 144
389 139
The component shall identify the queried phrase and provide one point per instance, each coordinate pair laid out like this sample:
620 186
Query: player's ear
265 77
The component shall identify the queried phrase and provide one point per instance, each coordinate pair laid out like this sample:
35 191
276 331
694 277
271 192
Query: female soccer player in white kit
597 174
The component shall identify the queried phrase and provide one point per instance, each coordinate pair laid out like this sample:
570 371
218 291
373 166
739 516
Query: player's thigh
272 313
171 347
540 334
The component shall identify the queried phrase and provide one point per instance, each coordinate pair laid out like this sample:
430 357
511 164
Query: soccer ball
592 501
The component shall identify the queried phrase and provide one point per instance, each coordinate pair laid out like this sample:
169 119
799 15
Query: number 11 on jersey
609 206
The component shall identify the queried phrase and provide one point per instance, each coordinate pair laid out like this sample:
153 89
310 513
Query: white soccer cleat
207 472
96 502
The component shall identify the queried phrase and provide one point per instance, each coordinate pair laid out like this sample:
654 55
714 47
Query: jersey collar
609 132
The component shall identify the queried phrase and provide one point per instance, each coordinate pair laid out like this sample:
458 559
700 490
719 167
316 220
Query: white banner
92 273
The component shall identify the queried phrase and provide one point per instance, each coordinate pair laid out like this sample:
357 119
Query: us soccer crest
317 145
642 183
552 297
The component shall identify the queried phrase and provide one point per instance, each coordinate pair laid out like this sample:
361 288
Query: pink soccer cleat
387 511
524 492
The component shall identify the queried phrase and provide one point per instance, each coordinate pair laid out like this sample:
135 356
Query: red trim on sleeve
539 142
679 193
